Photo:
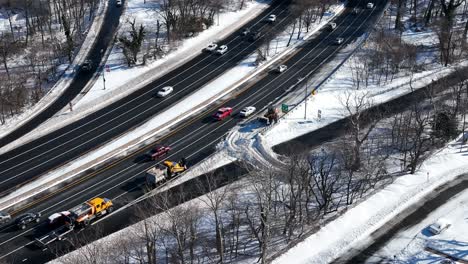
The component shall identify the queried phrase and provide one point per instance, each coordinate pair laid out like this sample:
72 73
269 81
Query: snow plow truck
162 172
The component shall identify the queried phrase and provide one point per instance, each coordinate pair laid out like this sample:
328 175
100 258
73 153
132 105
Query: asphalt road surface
105 36
123 180
29 161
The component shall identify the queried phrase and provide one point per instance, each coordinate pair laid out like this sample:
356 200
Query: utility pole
103 71
305 98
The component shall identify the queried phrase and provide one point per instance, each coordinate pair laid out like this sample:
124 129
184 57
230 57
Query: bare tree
264 185
214 200
356 105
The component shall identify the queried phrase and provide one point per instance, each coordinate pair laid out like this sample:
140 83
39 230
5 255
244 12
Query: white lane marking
106 181
252 97
6 241
18 248
144 94
225 122
58 156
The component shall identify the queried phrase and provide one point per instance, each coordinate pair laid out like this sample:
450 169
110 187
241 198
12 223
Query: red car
222 113
159 152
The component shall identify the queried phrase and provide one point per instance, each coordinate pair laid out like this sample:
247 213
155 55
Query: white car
331 26
222 49
281 68
53 218
271 18
370 5
439 226
247 111
338 41
211 47
165 91
118 3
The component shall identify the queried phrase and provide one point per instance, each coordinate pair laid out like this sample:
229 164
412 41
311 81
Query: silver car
4 218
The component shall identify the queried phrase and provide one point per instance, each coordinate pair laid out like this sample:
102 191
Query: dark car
254 35
87 65
26 219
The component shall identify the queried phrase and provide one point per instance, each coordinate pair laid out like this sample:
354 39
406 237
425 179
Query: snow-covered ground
66 72
408 246
123 80
358 223
160 124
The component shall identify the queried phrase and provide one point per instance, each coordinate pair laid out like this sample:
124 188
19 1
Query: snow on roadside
408 246
122 80
68 74
359 222
161 122
330 97
156 126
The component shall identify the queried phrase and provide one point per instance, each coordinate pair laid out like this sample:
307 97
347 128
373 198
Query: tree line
261 215
41 35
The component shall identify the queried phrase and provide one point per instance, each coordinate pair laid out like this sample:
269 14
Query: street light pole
103 71
305 99
104 77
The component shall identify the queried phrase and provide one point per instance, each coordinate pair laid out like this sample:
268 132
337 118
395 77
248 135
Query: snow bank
359 222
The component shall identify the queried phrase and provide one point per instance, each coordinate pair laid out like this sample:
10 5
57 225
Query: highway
106 34
123 180
31 160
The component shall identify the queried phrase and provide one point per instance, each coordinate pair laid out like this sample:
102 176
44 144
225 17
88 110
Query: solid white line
55 157
144 94
225 123
18 248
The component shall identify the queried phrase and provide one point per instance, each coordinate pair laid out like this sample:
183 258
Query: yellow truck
80 216
165 171
89 210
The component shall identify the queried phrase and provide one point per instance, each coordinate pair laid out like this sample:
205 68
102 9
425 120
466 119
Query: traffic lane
200 61
134 185
80 194
105 35
82 131
32 254
205 145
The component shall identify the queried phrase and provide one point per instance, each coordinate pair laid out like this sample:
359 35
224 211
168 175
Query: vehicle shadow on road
133 186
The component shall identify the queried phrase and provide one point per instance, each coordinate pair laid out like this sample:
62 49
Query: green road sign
284 108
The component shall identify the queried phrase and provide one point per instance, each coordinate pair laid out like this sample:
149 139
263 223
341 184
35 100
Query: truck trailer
160 173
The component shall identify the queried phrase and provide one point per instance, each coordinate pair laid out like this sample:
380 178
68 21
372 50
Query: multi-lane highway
104 38
123 180
30 160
